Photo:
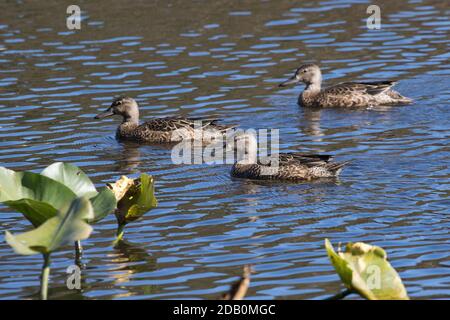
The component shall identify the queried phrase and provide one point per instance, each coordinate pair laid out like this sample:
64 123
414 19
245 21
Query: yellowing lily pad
138 199
364 269
121 186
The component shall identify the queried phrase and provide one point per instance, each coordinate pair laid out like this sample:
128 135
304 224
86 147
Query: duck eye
304 71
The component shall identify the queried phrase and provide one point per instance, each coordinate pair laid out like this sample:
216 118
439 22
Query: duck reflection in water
312 125
130 158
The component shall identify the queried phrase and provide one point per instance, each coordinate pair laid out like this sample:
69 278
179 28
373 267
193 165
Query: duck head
309 74
123 106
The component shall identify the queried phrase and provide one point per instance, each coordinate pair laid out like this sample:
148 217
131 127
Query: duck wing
212 123
309 160
175 123
358 88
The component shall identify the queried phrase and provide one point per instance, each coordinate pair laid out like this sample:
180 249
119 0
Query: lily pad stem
78 250
44 276
119 233
340 295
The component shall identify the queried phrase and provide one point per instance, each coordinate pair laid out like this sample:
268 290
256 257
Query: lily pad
36 196
75 179
67 226
121 186
365 270
103 204
39 196
138 199
72 177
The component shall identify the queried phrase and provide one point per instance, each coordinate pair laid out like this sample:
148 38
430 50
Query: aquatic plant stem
78 250
119 233
78 253
44 276
340 295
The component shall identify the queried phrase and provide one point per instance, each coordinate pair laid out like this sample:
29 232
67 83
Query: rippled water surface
225 59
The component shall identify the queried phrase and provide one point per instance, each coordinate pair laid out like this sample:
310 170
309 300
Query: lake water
215 58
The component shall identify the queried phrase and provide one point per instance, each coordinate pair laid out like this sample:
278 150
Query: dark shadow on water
128 260
131 260
274 183
130 253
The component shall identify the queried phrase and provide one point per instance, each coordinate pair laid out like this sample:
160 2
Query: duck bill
290 81
104 114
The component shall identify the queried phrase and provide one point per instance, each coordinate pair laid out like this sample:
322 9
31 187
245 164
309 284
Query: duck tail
398 98
336 167
223 127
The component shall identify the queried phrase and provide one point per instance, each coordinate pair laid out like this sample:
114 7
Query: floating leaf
37 197
72 177
139 199
67 226
103 204
364 269
75 179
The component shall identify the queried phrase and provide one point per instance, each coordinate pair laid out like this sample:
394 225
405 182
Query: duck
293 166
346 94
160 130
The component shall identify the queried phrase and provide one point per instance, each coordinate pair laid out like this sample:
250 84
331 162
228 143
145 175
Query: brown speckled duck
346 94
160 130
291 166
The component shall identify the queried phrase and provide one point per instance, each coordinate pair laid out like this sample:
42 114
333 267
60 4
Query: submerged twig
239 288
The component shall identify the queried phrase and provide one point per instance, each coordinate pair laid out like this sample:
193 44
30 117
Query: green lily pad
365 270
66 227
72 177
139 199
36 196
39 196
75 179
103 204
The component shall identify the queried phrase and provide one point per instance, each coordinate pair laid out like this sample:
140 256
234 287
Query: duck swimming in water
346 94
290 167
160 130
